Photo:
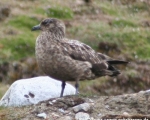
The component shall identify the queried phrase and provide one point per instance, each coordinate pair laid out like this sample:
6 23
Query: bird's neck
57 34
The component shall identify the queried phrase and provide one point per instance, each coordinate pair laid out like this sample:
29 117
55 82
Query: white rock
33 90
82 116
55 116
148 90
50 103
107 107
42 115
53 101
82 107
61 110
100 114
126 113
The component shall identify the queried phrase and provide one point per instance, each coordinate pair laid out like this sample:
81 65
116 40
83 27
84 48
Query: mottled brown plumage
69 60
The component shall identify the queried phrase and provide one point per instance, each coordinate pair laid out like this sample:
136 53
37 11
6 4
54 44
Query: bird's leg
77 86
62 88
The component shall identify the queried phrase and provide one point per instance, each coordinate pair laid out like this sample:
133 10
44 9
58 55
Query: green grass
3 89
124 23
18 47
112 9
40 11
139 7
22 44
130 37
23 22
60 12
132 41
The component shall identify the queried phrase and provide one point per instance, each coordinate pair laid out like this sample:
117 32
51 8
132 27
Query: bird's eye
46 22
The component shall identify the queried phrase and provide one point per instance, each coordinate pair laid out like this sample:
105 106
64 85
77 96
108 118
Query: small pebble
82 116
54 115
107 106
42 115
125 113
82 107
99 114
91 101
53 101
50 103
61 110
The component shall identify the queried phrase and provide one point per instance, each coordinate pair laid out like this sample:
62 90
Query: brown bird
69 60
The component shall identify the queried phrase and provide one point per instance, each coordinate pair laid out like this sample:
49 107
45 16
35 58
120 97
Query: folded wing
101 64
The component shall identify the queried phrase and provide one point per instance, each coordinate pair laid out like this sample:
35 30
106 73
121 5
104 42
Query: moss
139 7
109 11
21 22
18 47
40 11
112 9
60 12
21 44
123 23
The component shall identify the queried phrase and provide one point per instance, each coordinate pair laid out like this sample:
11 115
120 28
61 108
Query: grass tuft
60 12
18 47
22 22
123 23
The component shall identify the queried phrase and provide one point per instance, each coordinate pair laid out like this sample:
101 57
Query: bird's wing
101 64
82 52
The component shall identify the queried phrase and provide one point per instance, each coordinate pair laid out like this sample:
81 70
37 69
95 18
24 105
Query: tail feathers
117 62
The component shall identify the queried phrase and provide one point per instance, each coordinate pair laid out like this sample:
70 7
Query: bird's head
52 25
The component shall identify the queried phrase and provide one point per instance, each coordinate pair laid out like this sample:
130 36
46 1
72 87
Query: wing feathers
101 64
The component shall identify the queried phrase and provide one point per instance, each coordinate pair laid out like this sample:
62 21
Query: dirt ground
101 107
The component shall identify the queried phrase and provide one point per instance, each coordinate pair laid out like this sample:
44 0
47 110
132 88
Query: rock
82 116
54 115
133 106
61 110
66 102
126 113
33 90
107 107
42 115
82 107
126 117
65 118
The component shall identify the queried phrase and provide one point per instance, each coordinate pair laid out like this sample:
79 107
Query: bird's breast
46 55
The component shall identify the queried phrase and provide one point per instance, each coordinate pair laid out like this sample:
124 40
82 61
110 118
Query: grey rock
82 116
61 110
42 115
82 107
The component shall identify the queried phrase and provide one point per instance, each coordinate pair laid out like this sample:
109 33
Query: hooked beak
37 27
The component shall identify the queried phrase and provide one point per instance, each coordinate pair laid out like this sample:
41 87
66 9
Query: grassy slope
125 26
